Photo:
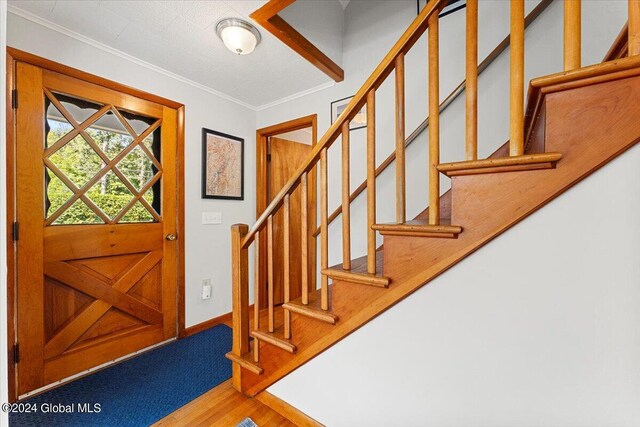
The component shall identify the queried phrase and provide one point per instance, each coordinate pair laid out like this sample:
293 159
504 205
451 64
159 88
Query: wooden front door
96 208
285 157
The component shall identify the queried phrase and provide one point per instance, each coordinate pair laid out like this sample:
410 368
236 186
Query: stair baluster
346 202
371 181
634 27
434 121
516 143
270 272
324 233
471 82
572 34
400 138
256 297
286 266
304 238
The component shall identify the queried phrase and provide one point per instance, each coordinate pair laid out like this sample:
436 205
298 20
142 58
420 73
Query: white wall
207 247
371 28
486 345
321 22
4 378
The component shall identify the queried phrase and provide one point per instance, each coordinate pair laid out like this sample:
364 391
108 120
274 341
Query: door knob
171 237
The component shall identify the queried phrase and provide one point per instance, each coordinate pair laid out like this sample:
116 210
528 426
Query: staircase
573 123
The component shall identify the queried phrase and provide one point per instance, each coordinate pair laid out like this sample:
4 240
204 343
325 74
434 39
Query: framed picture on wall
450 8
360 119
222 166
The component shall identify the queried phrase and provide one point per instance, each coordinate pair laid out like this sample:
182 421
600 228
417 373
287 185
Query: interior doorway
281 149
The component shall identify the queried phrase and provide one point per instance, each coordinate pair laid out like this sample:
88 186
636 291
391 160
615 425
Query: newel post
240 297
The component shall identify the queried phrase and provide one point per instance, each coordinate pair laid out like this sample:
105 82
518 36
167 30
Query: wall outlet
212 217
206 289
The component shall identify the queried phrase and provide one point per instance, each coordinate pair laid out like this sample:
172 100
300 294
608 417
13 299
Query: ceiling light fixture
238 36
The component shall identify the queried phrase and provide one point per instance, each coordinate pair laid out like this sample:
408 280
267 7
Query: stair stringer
590 124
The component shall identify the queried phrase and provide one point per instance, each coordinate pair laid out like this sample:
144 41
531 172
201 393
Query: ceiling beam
267 16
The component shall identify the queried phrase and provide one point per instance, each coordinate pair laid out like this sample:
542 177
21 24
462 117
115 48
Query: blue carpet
141 390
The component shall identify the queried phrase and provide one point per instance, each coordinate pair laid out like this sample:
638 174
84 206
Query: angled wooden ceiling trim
267 16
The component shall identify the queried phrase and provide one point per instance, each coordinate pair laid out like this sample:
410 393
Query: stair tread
312 309
374 279
358 272
246 361
502 164
419 226
275 338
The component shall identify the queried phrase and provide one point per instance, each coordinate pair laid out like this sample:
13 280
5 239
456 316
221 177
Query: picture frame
222 166
453 6
360 119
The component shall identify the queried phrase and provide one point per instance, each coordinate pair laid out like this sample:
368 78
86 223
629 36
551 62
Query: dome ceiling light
238 36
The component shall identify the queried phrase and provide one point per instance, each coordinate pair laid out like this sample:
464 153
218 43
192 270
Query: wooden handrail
382 71
620 47
488 60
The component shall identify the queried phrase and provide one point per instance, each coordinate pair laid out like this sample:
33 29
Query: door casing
262 191
14 56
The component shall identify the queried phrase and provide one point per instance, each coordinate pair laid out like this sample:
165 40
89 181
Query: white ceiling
179 36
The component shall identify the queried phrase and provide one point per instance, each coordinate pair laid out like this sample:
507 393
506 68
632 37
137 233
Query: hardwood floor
225 407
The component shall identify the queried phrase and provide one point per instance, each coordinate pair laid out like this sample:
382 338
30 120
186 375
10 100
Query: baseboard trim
191 330
203 326
289 412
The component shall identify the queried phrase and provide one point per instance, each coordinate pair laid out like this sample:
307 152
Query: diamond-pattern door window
77 160
137 167
57 126
101 164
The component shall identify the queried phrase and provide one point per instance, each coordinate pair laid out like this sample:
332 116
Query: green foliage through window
80 163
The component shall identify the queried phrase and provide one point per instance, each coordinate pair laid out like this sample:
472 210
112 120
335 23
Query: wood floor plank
223 406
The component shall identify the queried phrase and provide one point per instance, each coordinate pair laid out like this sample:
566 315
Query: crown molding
297 95
116 52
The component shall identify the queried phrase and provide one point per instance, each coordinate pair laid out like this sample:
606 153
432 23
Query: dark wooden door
96 206
285 158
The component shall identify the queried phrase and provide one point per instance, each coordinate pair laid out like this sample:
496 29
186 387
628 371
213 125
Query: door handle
171 237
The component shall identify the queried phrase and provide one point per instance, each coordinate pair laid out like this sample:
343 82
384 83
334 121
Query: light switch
212 217
206 289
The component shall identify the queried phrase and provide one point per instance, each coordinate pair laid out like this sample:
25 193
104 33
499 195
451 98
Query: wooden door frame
262 136
14 56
